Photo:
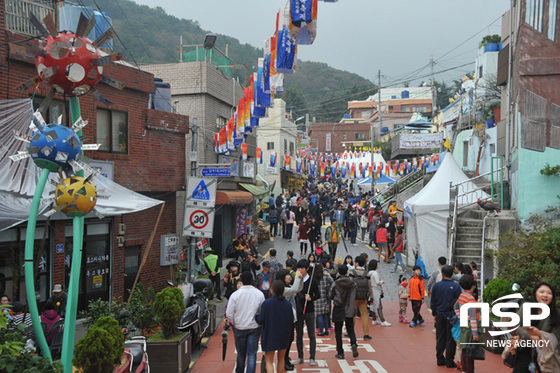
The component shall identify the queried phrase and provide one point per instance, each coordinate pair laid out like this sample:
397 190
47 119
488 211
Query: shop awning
233 197
255 190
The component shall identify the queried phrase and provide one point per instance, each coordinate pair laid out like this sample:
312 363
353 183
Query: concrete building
210 97
277 133
529 132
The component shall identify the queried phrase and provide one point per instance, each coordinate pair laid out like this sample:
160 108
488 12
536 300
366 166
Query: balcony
17 15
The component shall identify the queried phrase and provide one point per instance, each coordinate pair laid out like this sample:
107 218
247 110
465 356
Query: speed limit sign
198 222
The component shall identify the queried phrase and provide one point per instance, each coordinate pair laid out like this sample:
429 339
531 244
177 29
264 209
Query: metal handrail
455 194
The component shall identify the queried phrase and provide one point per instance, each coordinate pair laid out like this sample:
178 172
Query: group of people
53 311
278 302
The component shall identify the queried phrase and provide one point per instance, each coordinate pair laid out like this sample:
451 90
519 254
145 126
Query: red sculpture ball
67 64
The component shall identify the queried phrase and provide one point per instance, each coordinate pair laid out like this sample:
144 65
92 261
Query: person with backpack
343 294
332 236
273 220
359 275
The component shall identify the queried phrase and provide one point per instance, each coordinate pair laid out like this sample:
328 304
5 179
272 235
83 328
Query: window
533 122
555 126
112 131
480 71
552 5
17 14
465 154
269 146
220 122
285 146
344 136
359 136
292 148
534 14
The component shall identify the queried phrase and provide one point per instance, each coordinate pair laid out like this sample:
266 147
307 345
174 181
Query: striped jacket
474 316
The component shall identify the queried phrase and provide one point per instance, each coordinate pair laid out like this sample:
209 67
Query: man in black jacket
343 294
305 311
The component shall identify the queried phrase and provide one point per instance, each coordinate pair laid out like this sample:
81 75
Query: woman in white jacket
376 282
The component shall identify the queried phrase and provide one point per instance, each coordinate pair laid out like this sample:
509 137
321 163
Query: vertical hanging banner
298 165
261 97
244 151
303 21
287 162
240 120
286 49
273 159
259 156
322 169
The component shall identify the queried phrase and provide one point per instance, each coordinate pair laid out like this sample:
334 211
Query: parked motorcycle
196 317
135 356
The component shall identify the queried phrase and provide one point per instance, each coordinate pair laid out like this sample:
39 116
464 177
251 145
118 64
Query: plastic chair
57 331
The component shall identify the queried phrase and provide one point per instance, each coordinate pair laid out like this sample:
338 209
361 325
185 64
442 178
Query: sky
395 37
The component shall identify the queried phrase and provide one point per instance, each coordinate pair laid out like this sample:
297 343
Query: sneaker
412 325
355 350
385 323
405 321
367 336
219 300
297 361
331 329
376 322
289 366
317 330
393 270
420 322
312 362
339 356
354 244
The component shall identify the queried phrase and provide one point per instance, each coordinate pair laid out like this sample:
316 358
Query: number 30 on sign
198 222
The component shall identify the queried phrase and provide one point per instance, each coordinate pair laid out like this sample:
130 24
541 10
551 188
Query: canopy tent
18 180
427 211
383 179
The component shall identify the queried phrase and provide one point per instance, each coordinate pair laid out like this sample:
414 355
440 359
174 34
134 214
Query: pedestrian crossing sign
201 192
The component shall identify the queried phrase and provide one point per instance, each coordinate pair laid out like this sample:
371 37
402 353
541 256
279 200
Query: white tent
18 180
428 210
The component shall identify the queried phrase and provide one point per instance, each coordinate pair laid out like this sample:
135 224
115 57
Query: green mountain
150 35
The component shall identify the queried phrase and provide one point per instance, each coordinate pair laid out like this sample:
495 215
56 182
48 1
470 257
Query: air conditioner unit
120 241
122 228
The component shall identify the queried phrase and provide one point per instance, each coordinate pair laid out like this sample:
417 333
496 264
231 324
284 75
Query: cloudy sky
397 37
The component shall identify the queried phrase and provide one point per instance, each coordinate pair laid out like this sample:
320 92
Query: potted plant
495 289
491 43
262 231
169 349
101 348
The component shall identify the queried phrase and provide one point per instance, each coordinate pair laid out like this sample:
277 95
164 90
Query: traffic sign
198 222
216 172
201 192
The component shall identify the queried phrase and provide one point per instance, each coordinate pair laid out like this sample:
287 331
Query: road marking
266 254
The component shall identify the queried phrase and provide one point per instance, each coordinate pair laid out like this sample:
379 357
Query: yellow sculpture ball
76 196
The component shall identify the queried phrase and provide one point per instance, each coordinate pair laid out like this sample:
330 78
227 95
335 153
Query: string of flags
355 165
295 25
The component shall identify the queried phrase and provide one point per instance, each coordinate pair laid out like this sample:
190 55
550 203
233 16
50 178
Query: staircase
468 244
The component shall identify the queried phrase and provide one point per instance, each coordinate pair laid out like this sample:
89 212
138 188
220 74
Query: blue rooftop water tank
346 116
162 96
405 94
393 97
384 130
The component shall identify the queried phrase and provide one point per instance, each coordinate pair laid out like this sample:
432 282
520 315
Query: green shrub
495 289
99 308
14 358
101 348
142 314
531 255
168 307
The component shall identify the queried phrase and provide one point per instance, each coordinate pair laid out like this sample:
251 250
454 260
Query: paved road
393 349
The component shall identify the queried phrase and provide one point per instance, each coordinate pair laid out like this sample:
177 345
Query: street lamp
209 41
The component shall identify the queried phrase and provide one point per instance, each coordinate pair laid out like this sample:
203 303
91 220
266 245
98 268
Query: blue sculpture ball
54 146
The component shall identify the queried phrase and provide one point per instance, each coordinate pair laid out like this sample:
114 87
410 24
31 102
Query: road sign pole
192 251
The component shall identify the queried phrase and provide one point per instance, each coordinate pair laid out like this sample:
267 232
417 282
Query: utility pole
434 89
379 101
194 147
